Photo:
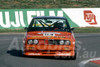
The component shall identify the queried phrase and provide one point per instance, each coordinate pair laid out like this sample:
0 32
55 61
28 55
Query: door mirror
72 28
25 28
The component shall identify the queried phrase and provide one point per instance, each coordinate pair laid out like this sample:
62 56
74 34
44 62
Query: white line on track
83 63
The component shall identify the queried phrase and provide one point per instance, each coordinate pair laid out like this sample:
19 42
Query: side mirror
25 28
72 28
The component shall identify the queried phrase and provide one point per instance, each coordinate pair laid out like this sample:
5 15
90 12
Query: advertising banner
77 17
84 17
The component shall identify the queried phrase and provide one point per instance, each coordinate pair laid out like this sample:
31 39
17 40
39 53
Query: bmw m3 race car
49 36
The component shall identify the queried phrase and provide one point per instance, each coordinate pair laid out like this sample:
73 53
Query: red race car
49 36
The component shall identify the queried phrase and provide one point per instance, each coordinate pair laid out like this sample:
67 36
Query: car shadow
18 53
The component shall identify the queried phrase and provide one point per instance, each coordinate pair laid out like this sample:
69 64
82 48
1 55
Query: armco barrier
77 17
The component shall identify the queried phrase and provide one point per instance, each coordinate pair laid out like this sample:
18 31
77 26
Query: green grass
87 30
76 30
33 4
12 30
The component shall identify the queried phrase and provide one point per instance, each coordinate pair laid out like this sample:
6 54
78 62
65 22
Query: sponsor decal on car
49 36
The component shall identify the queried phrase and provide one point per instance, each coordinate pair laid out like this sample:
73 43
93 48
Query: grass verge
76 30
87 30
33 4
12 30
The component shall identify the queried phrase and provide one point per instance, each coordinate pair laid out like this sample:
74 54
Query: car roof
51 17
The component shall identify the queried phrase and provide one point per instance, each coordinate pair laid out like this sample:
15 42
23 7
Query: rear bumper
56 53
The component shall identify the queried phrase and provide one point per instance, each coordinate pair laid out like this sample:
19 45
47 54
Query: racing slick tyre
23 54
73 57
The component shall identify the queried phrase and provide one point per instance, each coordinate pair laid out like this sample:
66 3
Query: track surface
88 47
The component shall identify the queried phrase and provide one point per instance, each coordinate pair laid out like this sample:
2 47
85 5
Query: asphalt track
88 46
